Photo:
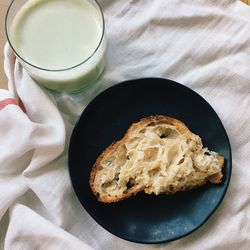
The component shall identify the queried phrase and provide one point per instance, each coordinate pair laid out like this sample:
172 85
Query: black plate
146 218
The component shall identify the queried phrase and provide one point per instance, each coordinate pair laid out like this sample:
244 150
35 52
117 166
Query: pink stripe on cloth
6 102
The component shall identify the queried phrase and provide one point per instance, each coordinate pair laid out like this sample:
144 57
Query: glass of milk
61 43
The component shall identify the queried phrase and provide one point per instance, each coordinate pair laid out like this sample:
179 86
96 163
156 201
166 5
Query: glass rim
54 70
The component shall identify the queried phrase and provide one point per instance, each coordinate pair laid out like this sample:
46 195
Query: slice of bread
158 155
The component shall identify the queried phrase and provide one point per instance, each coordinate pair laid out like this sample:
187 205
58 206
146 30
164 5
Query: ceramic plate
147 218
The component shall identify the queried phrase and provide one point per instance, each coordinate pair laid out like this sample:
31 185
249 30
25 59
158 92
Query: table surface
3 8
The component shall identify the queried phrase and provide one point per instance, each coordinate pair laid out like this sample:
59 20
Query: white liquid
56 35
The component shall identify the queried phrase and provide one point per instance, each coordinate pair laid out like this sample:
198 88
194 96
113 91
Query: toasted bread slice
158 155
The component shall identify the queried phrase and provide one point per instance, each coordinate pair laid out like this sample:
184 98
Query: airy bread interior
158 155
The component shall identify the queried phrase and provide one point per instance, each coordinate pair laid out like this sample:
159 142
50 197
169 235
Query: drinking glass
73 78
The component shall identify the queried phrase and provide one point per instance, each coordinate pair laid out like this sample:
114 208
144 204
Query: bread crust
216 178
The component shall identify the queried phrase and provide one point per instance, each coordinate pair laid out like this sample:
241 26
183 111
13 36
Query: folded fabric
202 44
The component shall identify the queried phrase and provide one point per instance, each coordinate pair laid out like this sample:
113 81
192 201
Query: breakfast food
157 155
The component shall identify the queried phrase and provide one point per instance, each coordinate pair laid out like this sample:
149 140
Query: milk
57 42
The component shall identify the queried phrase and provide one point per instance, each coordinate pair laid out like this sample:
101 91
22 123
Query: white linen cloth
202 44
